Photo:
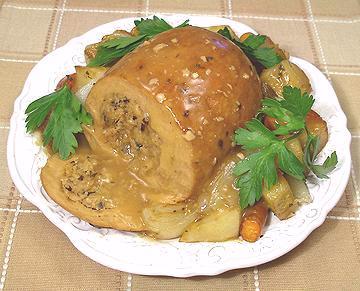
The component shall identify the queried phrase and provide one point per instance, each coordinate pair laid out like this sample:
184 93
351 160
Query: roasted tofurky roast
163 115
171 107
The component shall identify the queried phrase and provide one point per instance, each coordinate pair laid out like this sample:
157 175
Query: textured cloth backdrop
35 255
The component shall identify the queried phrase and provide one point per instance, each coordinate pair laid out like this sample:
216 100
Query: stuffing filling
82 183
127 128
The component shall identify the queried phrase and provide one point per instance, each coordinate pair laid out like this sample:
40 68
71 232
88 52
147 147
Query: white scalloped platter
132 253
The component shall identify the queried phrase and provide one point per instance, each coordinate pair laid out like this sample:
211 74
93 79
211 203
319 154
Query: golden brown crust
192 88
207 84
193 68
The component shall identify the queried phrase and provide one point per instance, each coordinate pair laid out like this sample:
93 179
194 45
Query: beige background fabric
35 255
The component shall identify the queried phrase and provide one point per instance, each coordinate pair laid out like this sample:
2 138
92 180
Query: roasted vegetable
299 189
294 145
280 199
244 36
253 221
134 31
285 74
271 122
218 199
67 80
220 225
267 91
316 126
220 192
85 75
166 221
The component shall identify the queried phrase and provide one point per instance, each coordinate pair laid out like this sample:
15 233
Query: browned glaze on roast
196 88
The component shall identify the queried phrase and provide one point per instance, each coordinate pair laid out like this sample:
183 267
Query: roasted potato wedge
299 189
134 31
285 74
267 91
280 199
295 147
84 75
219 208
214 227
167 221
220 192
316 126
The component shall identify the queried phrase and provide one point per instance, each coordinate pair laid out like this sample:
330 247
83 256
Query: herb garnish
66 115
290 111
259 168
311 151
115 49
251 46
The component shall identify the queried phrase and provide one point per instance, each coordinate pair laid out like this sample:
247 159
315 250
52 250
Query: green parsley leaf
297 103
289 163
290 111
115 49
253 41
310 155
122 42
246 164
255 136
38 110
225 32
287 121
259 168
252 48
266 56
107 55
66 115
256 170
184 24
152 27
249 188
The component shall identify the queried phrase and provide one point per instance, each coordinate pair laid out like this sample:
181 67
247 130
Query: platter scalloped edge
133 253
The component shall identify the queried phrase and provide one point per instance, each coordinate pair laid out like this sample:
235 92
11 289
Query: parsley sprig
152 27
115 49
252 47
259 167
311 152
290 111
269 149
66 115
